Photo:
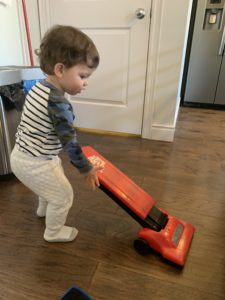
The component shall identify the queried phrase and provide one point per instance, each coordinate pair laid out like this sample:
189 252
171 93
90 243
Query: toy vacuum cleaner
161 231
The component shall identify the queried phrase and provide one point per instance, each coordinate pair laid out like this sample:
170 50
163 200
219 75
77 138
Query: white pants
45 177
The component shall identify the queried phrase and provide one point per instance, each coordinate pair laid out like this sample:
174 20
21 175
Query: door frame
152 62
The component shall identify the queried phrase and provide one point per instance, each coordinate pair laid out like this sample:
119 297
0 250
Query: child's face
75 79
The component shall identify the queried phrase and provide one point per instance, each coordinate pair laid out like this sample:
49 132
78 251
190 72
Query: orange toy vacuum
161 231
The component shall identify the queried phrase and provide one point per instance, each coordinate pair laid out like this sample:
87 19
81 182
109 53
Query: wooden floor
187 177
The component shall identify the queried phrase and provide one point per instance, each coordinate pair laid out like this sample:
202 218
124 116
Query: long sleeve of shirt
61 114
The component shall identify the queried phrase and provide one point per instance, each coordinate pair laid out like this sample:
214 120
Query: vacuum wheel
141 246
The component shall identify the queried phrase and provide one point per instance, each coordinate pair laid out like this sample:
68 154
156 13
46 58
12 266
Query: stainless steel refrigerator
205 76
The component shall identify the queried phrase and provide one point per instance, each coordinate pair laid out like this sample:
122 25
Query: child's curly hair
66 45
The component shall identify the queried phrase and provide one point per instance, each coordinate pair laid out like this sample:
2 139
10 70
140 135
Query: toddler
68 57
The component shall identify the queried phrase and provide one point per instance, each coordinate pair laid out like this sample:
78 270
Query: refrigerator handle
222 44
5 147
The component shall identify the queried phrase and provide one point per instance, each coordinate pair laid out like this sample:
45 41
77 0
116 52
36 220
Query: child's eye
83 76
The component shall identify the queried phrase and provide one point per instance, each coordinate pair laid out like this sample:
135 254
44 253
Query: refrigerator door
205 61
220 94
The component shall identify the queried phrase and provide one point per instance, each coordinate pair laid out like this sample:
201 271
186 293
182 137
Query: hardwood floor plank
124 284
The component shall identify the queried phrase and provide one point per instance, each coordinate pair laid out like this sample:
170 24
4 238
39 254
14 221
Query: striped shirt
46 126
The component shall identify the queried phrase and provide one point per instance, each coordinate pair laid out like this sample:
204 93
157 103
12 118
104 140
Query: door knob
140 13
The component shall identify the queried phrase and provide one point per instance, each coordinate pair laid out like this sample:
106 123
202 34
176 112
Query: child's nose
85 83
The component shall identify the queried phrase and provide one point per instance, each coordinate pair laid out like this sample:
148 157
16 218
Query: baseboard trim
107 132
158 133
162 133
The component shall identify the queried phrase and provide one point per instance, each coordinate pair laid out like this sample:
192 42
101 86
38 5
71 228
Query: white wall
171 44
34 26
168 37
11 49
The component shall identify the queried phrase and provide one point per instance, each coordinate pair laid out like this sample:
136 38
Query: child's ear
58 69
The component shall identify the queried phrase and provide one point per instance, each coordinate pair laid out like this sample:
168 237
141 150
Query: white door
114 99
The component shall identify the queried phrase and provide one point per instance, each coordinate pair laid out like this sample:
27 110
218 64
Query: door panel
110 82
115 97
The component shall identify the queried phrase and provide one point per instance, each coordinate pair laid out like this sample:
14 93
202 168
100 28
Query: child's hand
96 162
92 179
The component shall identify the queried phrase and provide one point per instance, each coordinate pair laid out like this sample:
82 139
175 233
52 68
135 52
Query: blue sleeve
61 114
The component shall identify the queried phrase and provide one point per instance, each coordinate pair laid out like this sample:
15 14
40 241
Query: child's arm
61 114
